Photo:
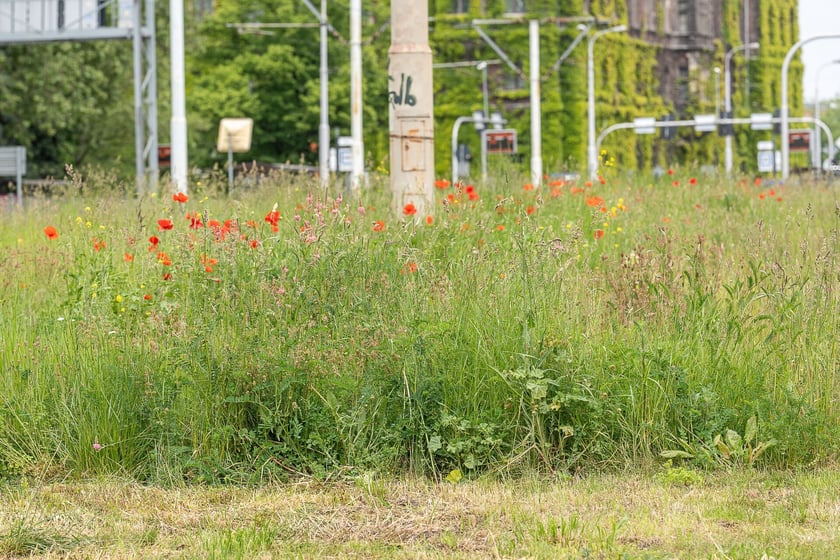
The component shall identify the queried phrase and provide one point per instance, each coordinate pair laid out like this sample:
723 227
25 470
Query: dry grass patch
725 515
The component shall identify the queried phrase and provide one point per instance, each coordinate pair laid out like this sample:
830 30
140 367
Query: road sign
765 162
644 125
500 141
705 123
761 121
799 140
235 135
164 155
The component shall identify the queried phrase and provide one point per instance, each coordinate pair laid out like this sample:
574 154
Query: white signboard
235 135
761 121
705 123
644 125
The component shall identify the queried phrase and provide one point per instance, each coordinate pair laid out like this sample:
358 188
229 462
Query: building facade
670 61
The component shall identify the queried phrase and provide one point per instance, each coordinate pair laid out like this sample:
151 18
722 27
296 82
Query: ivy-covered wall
627 81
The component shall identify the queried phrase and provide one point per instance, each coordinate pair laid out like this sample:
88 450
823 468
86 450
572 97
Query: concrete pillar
411 106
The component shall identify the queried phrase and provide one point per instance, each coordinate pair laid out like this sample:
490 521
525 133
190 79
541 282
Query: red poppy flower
528 187
195 220
530 210
273 217
429 220
164 259
147 297
167 276
441 183
98 244
409 209
165 224
692 181
378 225
670 171
128 257
254 243
180 197
598 233
51 232
594 201
154 242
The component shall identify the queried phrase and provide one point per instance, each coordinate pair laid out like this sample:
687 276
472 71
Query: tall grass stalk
564 327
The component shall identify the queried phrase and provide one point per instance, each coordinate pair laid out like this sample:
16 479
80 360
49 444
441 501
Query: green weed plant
283 330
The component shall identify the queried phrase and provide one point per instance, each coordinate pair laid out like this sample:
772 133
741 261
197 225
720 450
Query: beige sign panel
235 135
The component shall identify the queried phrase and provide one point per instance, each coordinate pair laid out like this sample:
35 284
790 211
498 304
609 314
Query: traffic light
667 132
726 129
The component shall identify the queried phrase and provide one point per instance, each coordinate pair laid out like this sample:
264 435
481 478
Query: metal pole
727 96
230 163
139 125
482 66
483 136
747 30
817 134
660 124
411 109
324 126
454 146
356 100
20 157
178 124
592 156
784 107
536 112
151 96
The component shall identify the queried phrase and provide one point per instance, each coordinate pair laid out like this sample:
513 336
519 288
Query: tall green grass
565 327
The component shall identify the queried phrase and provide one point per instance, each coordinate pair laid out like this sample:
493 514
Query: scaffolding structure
40 21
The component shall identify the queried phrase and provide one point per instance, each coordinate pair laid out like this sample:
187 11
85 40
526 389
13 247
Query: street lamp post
727 96
783 113
482 67
591 156
817 131
717 92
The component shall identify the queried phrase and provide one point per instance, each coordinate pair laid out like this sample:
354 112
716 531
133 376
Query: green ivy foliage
275 80
626 85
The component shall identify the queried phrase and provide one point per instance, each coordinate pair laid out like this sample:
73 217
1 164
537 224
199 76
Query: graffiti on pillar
403 96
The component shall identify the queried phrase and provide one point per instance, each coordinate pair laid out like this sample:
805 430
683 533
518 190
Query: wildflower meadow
283 330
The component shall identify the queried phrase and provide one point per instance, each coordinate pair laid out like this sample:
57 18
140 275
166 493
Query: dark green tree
68 103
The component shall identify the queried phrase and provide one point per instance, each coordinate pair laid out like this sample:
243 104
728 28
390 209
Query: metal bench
13 164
